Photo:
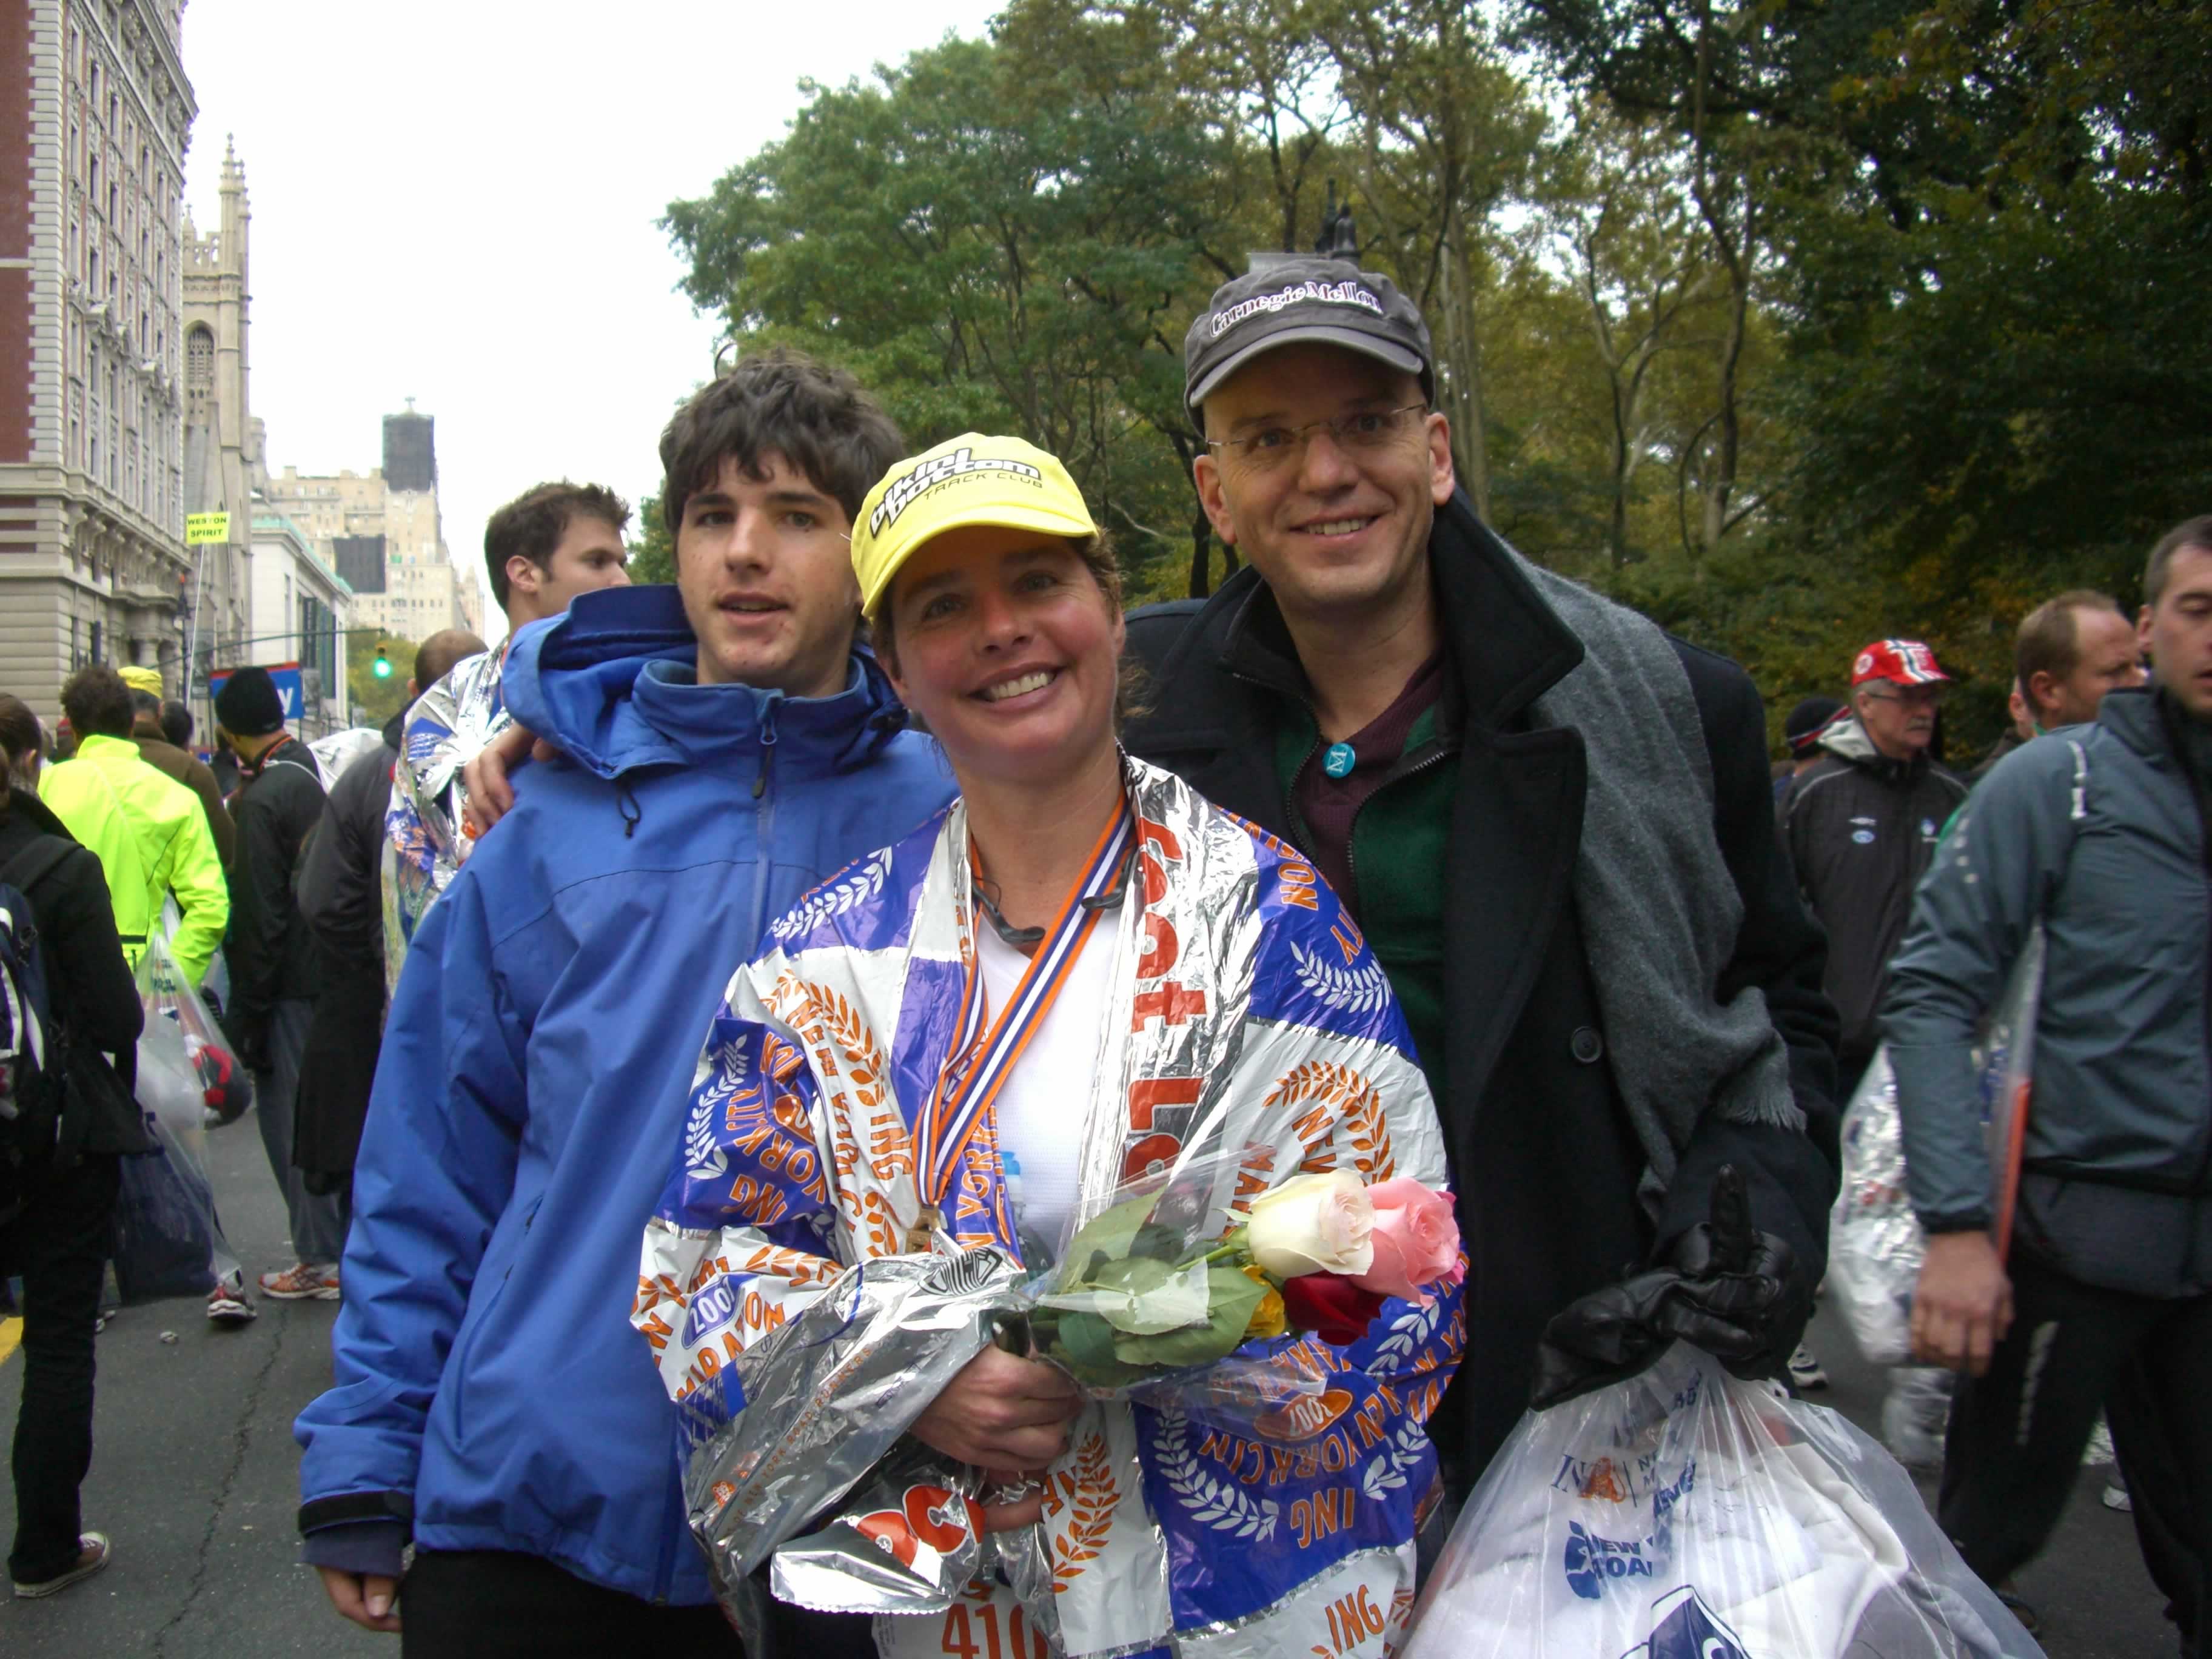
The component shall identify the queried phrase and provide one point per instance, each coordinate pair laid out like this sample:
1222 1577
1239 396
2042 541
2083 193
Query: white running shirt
1040 1105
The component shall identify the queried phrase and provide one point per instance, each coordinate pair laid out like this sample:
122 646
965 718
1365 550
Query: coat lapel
1516 816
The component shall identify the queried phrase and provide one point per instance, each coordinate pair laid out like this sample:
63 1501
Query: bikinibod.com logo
1295 294
931 473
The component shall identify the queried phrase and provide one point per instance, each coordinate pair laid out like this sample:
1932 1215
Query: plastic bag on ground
1683 1514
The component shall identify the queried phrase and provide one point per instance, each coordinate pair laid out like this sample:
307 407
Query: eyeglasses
1365 431
1917 697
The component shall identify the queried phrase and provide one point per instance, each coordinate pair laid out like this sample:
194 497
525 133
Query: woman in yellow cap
952 1054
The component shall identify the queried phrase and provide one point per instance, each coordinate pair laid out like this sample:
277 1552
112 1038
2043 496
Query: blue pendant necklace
1338 760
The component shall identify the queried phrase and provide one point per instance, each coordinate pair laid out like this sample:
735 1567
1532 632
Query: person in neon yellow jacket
149 830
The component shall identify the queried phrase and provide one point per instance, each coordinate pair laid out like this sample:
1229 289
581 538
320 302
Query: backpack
31 1091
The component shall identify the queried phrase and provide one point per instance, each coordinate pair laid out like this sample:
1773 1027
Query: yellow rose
1268 1318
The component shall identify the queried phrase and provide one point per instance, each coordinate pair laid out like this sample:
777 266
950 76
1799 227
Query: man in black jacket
275 966
1554 823
339 889
58 1243
1862 824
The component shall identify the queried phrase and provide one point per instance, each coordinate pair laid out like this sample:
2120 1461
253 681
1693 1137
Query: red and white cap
1907 662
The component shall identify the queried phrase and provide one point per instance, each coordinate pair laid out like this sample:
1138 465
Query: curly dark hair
98 702
533 522
784 403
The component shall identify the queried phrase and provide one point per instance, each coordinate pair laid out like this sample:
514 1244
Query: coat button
1586 1044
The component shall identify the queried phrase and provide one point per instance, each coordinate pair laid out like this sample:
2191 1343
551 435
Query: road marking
12 1333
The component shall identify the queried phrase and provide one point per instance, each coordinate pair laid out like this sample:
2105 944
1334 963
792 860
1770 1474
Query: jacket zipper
1438 751
764 826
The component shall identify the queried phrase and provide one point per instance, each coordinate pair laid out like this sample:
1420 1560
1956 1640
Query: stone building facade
382 531
96 111
222 455
298 608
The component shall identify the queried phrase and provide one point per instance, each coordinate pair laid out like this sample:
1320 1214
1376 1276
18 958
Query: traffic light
382 667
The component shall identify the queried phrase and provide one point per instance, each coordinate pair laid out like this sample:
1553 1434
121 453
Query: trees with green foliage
376 700
1796 323
651 549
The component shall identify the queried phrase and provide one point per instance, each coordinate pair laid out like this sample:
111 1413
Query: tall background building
382 532
94 115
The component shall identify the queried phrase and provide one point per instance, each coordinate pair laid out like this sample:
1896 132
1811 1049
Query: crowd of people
670 850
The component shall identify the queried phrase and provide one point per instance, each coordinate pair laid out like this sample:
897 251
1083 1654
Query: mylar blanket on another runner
1875 1244
1684 1514
424 847
1250 1034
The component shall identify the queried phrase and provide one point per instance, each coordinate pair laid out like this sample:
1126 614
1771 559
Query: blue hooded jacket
488 1386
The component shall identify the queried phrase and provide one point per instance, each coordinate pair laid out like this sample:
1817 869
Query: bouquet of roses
1136 1297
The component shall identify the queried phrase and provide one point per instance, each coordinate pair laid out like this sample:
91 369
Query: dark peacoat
1545 1165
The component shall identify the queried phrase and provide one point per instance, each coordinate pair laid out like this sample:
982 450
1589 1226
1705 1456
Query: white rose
1313 1224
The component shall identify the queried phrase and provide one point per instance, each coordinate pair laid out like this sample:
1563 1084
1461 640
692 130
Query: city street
194 1478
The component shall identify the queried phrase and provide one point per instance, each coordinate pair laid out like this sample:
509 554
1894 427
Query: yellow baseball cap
965 481
148 680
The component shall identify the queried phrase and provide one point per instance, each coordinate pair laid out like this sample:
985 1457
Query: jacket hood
612 684
395 729
1846 738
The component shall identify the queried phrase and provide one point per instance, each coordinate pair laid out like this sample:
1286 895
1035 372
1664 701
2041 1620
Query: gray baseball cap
1329 300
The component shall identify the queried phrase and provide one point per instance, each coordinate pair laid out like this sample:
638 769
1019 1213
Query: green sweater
1399 840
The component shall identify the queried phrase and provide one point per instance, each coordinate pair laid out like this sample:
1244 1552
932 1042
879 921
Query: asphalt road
195 1476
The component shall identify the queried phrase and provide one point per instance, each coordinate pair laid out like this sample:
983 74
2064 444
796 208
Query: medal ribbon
980 1064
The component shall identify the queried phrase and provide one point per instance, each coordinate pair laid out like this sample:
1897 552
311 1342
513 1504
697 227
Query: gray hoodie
2096 829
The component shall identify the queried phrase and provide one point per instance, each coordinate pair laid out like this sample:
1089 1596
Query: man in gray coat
2103 834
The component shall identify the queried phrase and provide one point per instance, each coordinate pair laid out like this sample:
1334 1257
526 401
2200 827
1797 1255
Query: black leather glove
1728 1289
248 1036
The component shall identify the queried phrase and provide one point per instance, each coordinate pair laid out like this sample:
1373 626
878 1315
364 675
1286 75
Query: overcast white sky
455 201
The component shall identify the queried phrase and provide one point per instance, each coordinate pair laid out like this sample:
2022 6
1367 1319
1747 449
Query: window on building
199 359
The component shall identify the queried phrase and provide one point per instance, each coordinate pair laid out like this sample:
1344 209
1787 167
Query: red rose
1334 1310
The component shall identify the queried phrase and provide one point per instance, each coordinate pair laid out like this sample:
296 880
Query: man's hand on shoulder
487 777
1963 1306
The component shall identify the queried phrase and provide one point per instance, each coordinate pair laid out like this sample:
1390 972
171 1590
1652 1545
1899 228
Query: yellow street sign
205 527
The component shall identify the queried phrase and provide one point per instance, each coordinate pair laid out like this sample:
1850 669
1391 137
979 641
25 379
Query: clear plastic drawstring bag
1685 1514
168 1240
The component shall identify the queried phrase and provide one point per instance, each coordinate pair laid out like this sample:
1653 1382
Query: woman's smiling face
1006 646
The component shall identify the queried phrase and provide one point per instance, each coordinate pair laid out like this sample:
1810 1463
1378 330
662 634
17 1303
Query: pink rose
1416 1241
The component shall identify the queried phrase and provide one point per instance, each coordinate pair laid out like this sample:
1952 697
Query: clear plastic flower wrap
1145 1301
1685 1514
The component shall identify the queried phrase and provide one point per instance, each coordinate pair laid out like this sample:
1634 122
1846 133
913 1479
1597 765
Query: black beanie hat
248 706
1805 722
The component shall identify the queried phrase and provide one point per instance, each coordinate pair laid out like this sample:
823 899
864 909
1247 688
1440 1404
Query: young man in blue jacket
726 748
